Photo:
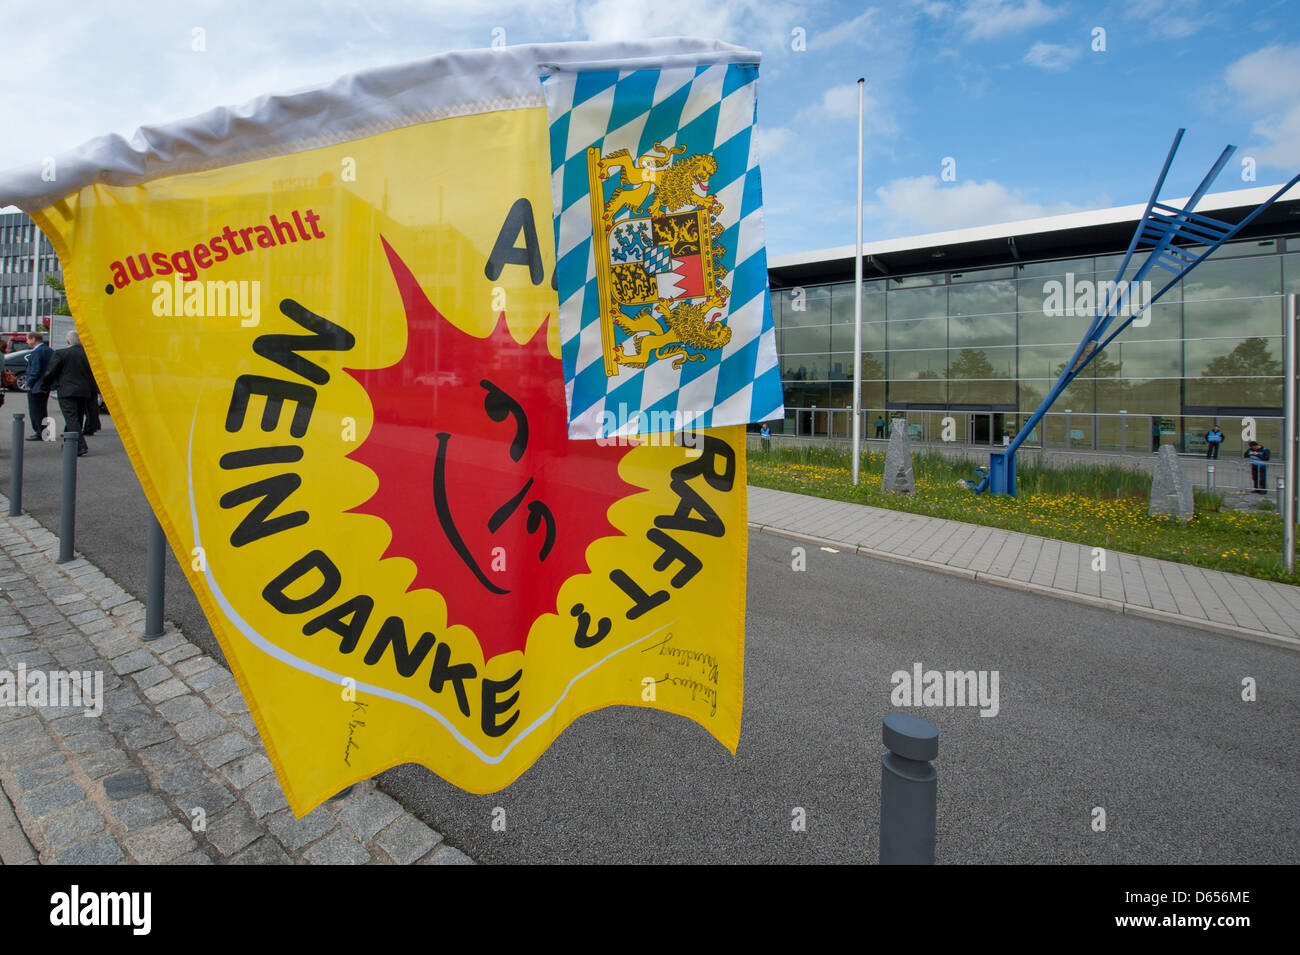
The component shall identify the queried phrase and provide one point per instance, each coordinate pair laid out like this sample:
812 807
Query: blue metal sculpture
1156 233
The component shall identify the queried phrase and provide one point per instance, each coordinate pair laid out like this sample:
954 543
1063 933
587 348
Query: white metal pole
857 309
36 268
1292 348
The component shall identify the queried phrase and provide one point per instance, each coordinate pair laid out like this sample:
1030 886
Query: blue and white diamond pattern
710 108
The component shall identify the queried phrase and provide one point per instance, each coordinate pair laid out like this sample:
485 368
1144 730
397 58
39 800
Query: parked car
16 362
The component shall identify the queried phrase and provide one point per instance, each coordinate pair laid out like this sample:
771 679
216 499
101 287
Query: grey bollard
68 510
1209 478
909 791
155 577
16 469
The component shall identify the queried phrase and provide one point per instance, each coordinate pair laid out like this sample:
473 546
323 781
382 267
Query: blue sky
1039 112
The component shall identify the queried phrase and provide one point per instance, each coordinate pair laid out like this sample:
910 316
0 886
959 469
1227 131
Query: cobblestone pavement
172 770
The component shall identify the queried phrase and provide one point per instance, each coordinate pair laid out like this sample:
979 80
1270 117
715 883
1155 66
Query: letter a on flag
325 329
665 315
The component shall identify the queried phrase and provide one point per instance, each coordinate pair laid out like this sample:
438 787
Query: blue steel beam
1157 229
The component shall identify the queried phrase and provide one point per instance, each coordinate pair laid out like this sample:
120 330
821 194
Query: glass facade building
17 235
984 345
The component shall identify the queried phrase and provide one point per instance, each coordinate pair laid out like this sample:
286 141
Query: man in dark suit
70 373
38 382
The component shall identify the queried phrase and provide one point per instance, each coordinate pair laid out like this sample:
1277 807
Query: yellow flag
336 370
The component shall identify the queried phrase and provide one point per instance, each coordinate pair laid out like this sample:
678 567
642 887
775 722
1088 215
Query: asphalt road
1140 718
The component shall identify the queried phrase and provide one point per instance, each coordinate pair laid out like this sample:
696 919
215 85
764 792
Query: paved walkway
173 770
1160 589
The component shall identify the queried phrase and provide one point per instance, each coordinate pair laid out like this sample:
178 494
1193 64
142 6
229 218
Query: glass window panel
1107 265
916 281
1233 250
1138 359
1053 300
918 303
1291 271
982 298
1238 372
982 275
989 330
873 366
873 336
806 341
841 366
918 376
1080 268
873 305
804 367
919 333
806 306
1235 278
985 392
1039 328
1161 321
1046 361
805 394
1239 318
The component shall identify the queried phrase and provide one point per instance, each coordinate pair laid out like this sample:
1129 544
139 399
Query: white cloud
840 103
934 9
757 24
1052 56
1267 77
865 24
1168 19
988 19
1266 82
921 204
772 141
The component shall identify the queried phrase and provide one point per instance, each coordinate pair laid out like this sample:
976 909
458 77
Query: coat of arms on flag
659 282
665 317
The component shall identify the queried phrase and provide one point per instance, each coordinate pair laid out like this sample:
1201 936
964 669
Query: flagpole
857 310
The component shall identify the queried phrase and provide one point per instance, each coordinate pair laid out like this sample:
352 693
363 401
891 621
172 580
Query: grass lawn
1100 507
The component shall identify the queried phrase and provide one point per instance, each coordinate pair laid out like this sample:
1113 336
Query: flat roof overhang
1100 232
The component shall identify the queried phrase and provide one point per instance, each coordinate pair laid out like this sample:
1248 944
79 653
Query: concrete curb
1103 603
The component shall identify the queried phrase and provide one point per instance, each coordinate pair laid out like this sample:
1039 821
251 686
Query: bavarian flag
326 327
665 315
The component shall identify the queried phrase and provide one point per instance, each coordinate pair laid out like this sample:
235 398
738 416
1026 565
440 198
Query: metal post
1281 486
68 511
1209 478
909 790
1291 349
155 575
857 306
16 469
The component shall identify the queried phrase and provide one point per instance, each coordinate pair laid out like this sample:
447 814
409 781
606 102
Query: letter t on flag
665 315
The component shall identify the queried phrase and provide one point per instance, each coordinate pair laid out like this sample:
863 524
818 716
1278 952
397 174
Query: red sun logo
478 480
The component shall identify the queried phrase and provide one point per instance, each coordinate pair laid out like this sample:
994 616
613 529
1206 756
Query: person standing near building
880 427
70 373
1258 455
38 381
765 433
1213 438
1155 435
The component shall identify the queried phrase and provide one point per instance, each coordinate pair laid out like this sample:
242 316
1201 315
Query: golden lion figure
689 333
674 184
